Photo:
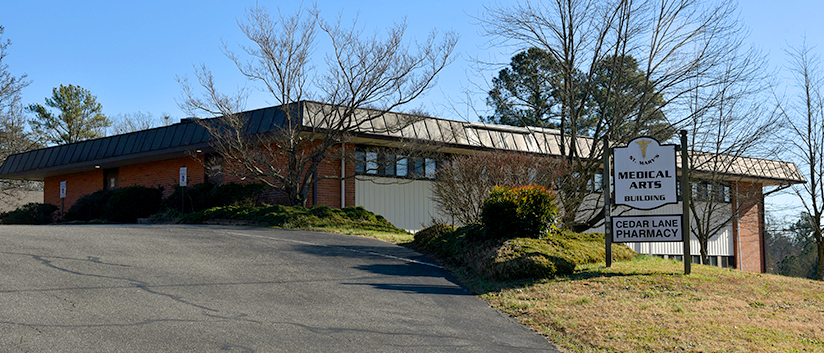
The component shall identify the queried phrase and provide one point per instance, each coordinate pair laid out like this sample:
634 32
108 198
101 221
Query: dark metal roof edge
110 160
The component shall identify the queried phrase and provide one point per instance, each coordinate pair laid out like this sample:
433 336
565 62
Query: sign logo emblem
645 174
643 144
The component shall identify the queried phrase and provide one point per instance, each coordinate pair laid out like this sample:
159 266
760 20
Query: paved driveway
104 288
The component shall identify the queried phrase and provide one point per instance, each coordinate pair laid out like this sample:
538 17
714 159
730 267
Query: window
360 162
430 167
213 168
711 191
401 167
371 162
377 161
110 179
390 165
727 261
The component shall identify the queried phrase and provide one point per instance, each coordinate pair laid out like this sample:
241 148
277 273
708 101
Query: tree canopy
80 117
617 93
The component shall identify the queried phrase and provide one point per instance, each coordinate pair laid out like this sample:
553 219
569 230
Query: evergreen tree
615 94
80 116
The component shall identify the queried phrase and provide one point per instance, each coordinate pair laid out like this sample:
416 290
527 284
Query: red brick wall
161 173
165 174
329 193
77 185
748 227
329 190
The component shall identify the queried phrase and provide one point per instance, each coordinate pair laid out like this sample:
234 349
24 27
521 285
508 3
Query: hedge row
126 205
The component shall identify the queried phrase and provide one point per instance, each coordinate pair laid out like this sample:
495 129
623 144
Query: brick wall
153 174
748 227
329 192
161 173
77 185
165 174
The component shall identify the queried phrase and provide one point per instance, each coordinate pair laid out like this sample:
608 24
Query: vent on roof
188 120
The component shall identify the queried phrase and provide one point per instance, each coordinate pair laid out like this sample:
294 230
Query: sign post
183 181
685 195
606 187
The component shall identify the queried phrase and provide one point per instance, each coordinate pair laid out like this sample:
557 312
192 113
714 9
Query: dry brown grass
648 305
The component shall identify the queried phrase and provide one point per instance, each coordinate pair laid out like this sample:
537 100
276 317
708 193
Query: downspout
315 188
736 232
762 226
343 175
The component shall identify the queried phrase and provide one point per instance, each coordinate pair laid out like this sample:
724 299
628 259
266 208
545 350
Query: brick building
401 193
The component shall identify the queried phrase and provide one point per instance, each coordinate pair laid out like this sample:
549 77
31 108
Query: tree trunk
704 255
820 272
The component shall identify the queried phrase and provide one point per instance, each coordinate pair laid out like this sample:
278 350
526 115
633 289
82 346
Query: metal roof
174 140
135 147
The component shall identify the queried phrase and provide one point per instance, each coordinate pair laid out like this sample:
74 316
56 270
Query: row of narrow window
380 163
701 190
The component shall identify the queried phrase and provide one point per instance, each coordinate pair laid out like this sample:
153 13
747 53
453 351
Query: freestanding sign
645 174
63 189
644 177
183 180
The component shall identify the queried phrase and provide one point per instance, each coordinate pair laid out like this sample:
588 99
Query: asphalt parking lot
139 288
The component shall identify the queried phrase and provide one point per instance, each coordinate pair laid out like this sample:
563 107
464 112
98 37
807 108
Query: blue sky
129 53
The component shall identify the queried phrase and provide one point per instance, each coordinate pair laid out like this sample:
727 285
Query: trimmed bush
297 217
523 212
207 195
30 213
518 258
124 205
89 207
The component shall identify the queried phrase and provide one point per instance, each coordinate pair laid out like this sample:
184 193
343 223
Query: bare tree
676 43
364 77
14 135
131 122
464 183
724 108
805 123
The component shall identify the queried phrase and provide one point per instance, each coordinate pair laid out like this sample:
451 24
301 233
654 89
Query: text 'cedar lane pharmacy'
646 228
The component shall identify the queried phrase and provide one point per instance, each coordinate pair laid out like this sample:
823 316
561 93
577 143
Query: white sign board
635 229
63 189
645 174
183 180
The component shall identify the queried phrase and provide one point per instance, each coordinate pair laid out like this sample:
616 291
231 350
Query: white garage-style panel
407 204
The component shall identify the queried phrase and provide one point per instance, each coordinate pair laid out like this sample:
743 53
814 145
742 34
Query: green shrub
524 212
524 258
126 205
89 207
123 205
297 217
30 213
517 258
428 234
206 195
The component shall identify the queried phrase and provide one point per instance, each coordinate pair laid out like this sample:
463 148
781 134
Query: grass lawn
649 305
397 237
